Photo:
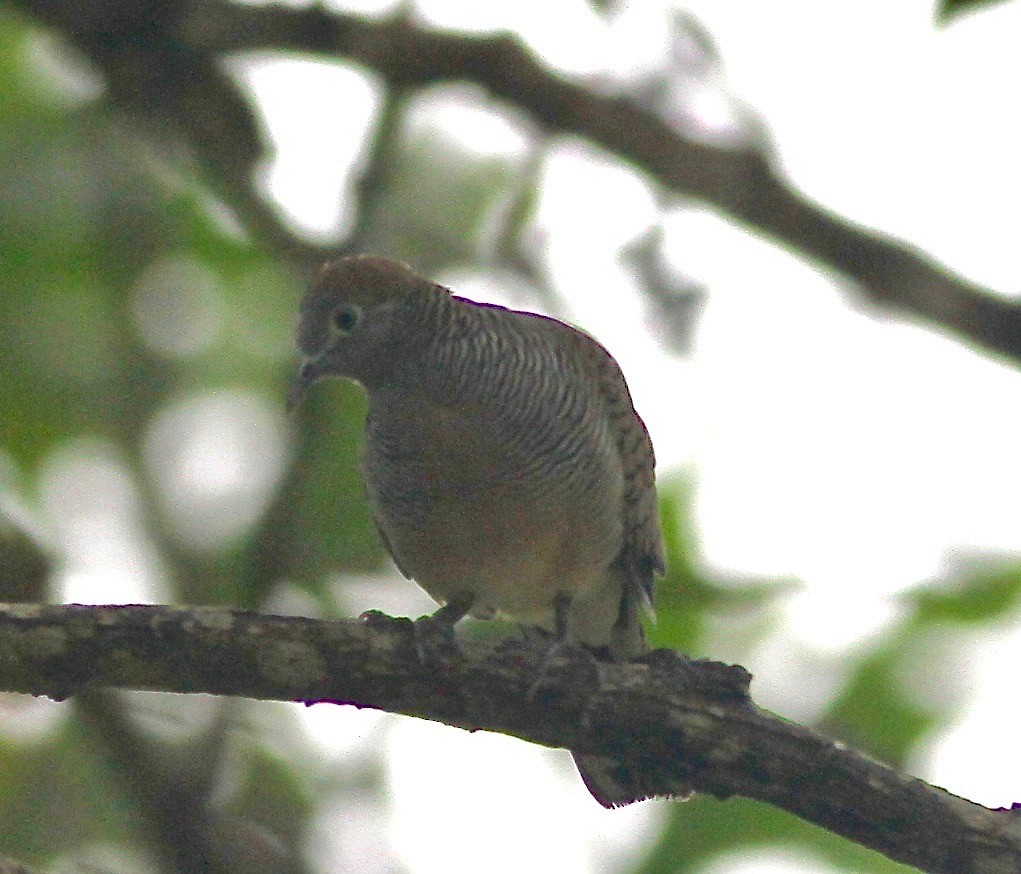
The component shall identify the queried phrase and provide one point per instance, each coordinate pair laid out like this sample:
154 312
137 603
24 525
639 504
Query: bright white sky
856 455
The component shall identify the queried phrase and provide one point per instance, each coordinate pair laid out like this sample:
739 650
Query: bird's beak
307 375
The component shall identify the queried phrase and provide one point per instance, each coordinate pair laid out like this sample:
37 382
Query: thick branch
681 722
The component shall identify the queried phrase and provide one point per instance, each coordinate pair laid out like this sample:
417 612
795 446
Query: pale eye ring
346 318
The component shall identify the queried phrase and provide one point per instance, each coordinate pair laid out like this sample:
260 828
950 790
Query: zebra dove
506 468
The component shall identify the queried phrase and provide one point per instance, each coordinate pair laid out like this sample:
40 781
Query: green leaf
950 9
981 598
702 830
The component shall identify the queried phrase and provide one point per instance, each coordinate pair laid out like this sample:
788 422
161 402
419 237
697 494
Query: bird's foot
435 643
562 607
556 648
559 649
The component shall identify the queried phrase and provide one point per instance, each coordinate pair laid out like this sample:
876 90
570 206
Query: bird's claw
552 651
556 650
435 643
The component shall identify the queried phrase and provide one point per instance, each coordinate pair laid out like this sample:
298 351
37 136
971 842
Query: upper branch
682 722
742 183
164 57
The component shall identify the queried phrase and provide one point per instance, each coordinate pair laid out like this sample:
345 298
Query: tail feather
613 783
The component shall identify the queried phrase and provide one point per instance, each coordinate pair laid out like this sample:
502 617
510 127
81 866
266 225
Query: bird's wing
386 544
642 553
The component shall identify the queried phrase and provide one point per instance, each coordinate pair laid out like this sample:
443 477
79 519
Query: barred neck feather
498 357
513 373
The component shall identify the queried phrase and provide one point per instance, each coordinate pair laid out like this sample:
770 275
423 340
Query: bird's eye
345 318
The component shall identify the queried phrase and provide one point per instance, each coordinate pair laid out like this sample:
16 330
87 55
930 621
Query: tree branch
742 183
169 64
679 721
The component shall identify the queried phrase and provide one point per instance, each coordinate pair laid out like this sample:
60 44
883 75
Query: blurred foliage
80 794
947 10
689 601
108 237
711 829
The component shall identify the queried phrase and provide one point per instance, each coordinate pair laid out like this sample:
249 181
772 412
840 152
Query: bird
505 467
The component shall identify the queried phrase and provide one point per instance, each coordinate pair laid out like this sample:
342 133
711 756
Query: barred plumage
503 459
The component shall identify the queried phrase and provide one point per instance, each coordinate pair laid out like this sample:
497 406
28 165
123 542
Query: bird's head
359 319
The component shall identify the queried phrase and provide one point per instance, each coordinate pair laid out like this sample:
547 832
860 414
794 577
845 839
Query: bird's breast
469 500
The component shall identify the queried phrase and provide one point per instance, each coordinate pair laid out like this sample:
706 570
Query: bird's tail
613 783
